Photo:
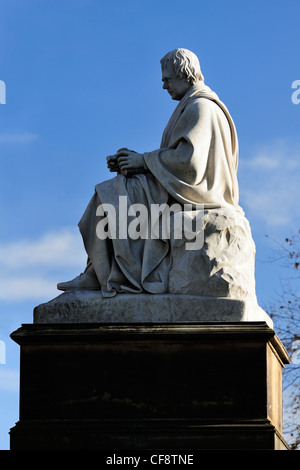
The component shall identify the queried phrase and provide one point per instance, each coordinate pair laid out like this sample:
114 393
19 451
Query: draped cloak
195 164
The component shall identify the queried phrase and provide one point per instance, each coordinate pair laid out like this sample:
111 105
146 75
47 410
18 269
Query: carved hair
185 64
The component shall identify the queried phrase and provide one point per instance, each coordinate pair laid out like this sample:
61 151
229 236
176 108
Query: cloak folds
195 164
198 157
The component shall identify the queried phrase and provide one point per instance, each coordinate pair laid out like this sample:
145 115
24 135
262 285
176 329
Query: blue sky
82 80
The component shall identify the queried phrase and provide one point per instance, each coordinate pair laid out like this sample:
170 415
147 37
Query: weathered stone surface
224 266
82 306
213 283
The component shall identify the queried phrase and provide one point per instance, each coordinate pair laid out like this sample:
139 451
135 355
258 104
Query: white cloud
53 250
27 288
18 138
274 155
31 269
269 183
9 379
263 162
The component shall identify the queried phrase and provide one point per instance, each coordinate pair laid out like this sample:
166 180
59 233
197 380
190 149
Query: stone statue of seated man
195 171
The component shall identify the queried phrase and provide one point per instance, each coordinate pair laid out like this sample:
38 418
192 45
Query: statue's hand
124 149
112 163
130 160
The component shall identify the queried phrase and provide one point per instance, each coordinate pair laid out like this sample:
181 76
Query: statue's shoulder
200 105
203 101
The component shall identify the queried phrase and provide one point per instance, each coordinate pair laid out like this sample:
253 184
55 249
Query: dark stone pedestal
150 386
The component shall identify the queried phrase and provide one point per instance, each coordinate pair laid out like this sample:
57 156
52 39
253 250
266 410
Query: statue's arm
187 156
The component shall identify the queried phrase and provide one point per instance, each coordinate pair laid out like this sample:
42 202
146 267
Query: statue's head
180 70
185 65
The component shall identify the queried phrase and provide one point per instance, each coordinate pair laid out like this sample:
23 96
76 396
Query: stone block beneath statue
185 385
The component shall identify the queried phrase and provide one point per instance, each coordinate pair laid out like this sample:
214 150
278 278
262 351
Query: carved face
176 87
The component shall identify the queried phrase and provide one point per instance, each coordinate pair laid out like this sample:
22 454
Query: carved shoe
86 280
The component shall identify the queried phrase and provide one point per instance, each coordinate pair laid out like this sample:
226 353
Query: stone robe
195 164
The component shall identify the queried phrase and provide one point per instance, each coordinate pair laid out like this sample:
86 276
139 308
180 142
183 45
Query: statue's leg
88 279
116 262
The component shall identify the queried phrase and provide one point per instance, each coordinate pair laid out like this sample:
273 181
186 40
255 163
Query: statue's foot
86 280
